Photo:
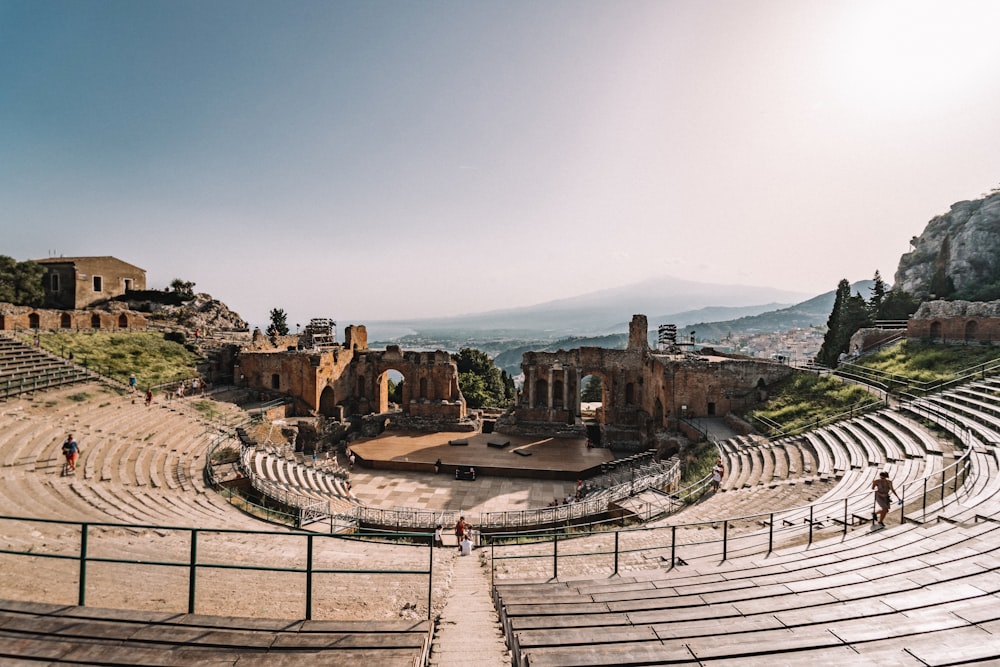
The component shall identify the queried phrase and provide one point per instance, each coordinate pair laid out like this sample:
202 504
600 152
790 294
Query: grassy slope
153 359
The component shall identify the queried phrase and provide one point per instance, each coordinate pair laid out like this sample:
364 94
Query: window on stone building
98 284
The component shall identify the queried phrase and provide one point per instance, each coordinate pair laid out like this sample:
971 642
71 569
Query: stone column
565 396
576 397
531 386
548 398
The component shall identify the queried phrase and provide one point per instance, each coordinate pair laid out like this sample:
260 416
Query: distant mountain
605 311
809 313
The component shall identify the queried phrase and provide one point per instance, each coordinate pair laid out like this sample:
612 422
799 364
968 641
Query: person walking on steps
883 487
71 450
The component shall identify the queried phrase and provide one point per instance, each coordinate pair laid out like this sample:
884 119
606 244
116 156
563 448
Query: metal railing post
924 509
430 575
555 556
82 593
309 576
193 569
617 533
810 524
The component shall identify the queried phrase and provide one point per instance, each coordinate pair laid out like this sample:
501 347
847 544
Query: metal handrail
793 521
194 565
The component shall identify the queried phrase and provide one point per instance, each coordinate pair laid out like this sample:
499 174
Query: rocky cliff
202 312
957 252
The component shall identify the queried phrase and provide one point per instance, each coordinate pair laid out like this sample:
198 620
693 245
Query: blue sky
392 160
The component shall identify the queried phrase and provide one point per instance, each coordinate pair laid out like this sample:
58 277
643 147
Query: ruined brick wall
711 386
354 379
13 318
356 337
956 322
642 391
955 329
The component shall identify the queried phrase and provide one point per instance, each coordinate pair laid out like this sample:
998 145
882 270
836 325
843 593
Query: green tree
279 323
592 391
395 391
897 305
829 350
481 382
849 314
21 282
878 295
183 287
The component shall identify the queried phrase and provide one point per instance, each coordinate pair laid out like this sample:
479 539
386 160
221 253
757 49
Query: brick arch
328 401
936 330
380 399
607 395
971 331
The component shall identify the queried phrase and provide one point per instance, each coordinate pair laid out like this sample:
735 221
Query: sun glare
915 57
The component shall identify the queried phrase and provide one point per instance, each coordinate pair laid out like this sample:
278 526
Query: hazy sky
389 160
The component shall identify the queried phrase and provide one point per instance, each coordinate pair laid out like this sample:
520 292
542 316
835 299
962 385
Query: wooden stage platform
547 458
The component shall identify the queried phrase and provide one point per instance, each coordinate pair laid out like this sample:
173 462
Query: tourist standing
717 472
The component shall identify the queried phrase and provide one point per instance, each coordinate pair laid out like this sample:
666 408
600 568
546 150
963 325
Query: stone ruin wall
643 392
956 322
14 318
350 379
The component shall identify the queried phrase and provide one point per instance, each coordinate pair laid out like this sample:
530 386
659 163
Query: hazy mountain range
601 318
609 310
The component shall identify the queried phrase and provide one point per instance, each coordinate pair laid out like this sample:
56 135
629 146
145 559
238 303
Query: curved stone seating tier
792 607
25 369
138 464
56 634
301 481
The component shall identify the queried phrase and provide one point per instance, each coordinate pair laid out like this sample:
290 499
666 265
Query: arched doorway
328 402
541 394
971 329
593 395
391 391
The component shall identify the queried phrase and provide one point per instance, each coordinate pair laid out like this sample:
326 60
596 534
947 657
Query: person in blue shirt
71 450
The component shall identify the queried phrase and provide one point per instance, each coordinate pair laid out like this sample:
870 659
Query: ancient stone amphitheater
134 560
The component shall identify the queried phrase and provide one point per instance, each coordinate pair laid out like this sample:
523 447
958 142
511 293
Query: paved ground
397 490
